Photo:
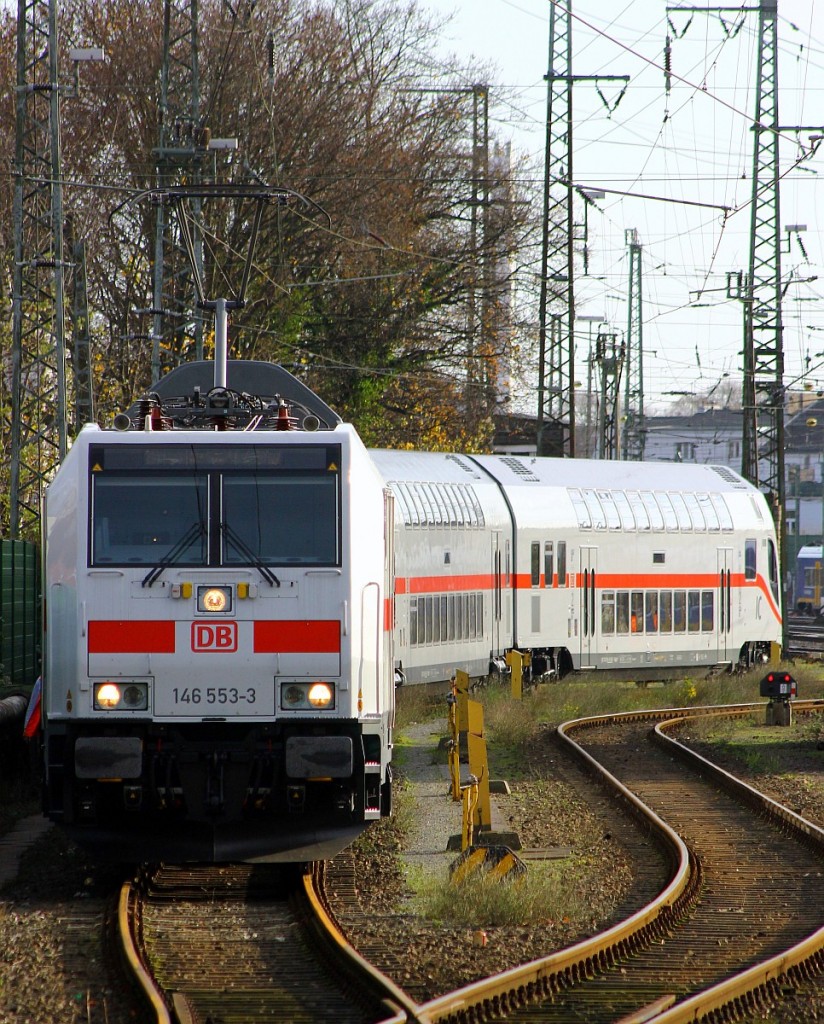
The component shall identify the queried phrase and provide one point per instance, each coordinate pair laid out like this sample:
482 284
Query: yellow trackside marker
497 863
472 861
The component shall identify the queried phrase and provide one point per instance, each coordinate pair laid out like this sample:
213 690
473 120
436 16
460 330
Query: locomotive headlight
321 695
293 696
106 695
214 599
123 696
317 696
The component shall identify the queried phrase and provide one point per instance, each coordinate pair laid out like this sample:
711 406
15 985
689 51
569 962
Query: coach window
435 512
709 513
656 518
651 611
608 611
427 604
684 521
444 506
417 502
611 510
622 612
750 548
548 564
580 506
599 519
773 569
464 518
693 610
562 569
477 511
665 611
707 611
535 564
636 612
664 503
624 510
679 611
638 510
723 512
696 516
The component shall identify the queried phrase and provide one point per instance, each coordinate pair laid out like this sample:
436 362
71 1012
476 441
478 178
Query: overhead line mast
181 147
634 436
556 306
38 400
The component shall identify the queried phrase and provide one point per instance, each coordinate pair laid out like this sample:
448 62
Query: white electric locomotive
218 679
580 564
234 585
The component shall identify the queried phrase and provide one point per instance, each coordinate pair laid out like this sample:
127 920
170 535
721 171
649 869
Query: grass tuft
547 894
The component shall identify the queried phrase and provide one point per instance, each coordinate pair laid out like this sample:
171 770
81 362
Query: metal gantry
38 399
763 443
556 307
179 155
633 439
556 304
610 357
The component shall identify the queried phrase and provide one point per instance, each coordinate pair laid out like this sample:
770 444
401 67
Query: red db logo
214 636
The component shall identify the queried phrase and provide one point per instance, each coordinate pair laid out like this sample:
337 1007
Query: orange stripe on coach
297 636
125 636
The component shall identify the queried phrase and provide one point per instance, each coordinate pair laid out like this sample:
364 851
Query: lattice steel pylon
38 399
556 396
610 357
763 442
556 305
633 439
181 147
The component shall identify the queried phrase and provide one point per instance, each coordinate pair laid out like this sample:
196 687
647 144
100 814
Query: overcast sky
688 147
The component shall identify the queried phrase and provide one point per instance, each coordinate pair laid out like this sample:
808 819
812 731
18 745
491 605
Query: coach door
589 606
497 592
724 604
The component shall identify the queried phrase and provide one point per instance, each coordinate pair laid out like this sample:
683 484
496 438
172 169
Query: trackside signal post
780 687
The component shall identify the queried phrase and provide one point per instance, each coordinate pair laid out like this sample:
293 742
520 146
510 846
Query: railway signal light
778 686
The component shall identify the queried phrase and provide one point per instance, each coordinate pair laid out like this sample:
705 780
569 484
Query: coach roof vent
730 476
517 467
465 466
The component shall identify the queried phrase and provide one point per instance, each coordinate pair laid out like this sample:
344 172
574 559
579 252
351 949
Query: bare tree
365 286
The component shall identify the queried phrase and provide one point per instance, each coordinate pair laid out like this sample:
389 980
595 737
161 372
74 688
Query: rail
546 976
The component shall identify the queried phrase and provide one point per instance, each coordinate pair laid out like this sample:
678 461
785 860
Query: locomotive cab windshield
214 506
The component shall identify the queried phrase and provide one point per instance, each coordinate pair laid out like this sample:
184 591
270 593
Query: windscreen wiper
241 545
195 531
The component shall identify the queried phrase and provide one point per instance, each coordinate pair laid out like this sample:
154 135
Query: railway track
237 943
805 638
742 914
739 915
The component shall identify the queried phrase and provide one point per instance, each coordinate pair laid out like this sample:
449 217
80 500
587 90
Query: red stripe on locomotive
122 636
321 636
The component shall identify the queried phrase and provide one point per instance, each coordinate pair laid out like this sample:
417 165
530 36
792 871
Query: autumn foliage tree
383 282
